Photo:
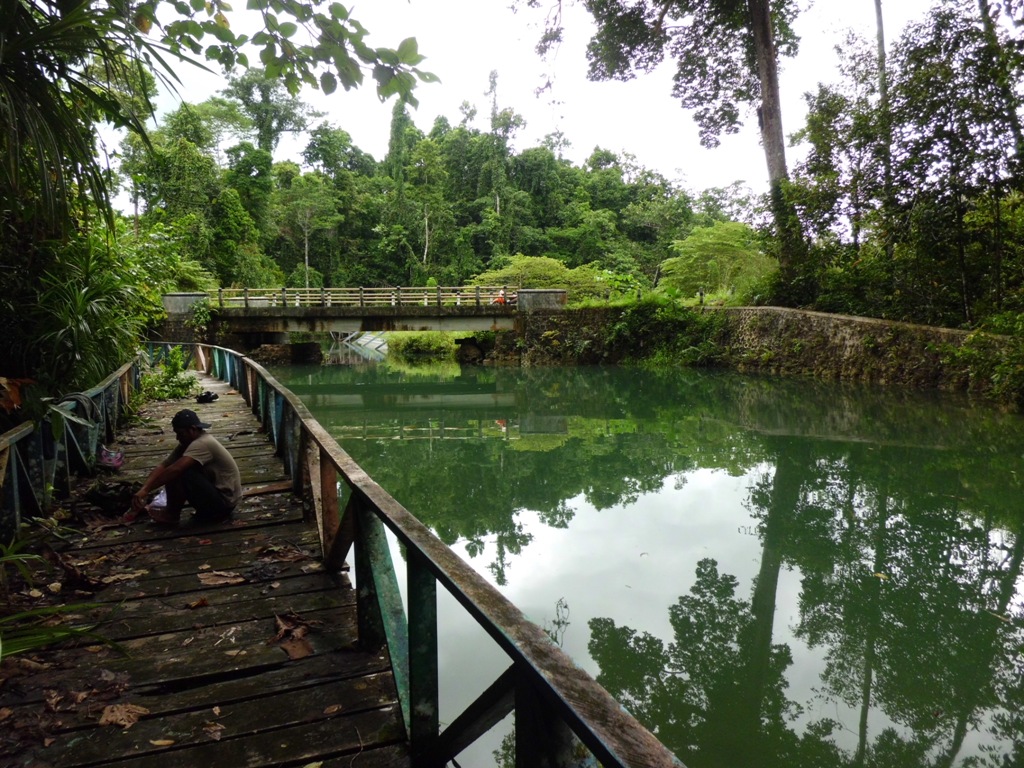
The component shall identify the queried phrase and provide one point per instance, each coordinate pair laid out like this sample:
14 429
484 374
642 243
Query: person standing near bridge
199 471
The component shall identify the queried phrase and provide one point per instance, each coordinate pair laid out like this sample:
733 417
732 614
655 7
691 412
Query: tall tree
309 206
249 172
957 140
273 111
726 56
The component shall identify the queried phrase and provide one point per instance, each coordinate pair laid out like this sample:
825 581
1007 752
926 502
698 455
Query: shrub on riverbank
658 331
422 345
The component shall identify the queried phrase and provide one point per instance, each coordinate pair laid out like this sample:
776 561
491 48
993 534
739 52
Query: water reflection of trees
902 519
912 596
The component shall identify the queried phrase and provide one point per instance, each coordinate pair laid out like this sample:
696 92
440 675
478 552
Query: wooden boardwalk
229 644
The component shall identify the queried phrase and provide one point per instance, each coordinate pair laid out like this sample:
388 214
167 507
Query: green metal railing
38 460
557 705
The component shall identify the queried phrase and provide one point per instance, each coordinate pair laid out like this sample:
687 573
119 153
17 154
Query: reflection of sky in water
631 563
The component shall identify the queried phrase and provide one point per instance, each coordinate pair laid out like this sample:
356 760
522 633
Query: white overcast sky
464 40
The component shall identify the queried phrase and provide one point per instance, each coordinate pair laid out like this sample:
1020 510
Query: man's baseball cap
186 418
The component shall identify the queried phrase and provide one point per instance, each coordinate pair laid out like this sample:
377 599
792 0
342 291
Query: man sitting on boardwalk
199 471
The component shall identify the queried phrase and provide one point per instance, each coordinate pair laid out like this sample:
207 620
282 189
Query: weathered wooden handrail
36 462
554 700
439 296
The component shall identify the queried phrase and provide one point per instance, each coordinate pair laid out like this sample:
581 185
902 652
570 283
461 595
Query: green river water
764 572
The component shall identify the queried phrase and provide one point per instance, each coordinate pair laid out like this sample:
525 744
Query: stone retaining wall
779 341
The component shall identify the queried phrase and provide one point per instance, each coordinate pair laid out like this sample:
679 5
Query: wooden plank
222 734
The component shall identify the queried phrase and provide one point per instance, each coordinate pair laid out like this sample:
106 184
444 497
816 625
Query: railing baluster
423 674
379 602
543 740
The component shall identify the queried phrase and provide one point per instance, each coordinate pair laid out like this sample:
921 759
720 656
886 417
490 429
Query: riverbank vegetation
905 203
422 345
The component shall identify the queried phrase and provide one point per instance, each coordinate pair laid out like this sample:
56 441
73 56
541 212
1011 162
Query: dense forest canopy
903 202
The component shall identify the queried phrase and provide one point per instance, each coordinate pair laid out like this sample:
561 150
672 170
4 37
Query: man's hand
139 501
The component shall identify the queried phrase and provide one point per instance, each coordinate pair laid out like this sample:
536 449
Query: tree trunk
885 130
774 142
426 233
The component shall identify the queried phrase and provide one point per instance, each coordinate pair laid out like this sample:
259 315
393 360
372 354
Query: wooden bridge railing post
542 737
369 620
381 616
220 297
478 295
245 297
423 673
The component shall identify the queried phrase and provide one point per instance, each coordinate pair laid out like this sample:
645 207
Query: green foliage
993 368
305 277
87 316
170 379
725 257
582 283
659 332
421 345
199 317
22 631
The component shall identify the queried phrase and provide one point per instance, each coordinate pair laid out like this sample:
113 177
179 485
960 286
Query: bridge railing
37 460
436 296
557 705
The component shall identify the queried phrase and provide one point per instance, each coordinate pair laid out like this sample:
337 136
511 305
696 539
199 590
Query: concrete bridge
270 314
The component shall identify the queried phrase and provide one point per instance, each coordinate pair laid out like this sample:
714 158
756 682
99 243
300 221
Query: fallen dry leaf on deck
236 652
125 715
5 712
291 635
52 699
333 709
213 730
202 602
283 554
297 648
161 742
221 578
116 577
